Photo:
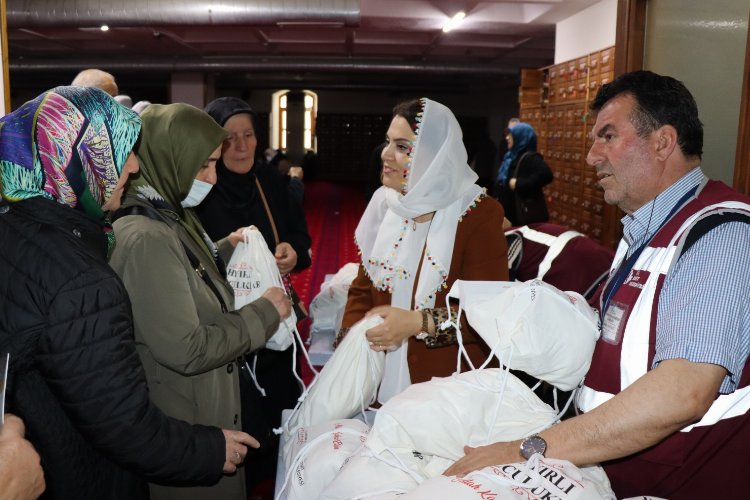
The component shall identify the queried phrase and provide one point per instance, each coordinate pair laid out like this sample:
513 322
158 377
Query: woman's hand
398 325
280 301
286 257
238 235
236 443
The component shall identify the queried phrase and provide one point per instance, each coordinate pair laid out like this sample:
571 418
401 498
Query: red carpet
332 212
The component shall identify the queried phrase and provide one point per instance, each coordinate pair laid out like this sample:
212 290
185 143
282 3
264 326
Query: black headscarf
223 108
235 200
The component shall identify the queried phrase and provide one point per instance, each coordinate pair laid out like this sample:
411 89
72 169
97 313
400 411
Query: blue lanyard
627 265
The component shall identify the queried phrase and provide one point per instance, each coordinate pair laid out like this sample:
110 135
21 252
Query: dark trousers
261 414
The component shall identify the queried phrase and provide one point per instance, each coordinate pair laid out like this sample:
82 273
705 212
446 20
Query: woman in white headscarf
428 225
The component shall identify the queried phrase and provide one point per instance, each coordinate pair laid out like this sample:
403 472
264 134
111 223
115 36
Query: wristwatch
533 444
424 333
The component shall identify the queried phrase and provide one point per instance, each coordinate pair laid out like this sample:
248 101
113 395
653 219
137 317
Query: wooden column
742 156
630 35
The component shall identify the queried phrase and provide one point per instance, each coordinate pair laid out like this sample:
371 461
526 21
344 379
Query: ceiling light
104 27
454 21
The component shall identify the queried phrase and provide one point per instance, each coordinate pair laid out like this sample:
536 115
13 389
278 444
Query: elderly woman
251 192
189 336
429 225
74 375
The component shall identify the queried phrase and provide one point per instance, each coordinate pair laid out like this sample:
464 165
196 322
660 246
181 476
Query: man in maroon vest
667 395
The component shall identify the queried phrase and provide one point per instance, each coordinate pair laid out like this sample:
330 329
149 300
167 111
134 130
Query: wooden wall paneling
562 122
630 35
742 156
4 75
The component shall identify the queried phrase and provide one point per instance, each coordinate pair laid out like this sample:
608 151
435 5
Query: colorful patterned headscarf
69 145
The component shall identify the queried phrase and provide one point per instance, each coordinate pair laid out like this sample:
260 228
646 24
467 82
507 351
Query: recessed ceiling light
454 21
104 27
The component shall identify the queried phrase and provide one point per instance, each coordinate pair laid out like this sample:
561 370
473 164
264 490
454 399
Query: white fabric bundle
365 476
537 479
533 327
251 271
315 454
473 408
348 382
327 307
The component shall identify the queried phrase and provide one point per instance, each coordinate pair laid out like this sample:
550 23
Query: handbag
532 209
300 310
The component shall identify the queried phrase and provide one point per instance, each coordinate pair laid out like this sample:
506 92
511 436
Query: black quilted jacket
75 377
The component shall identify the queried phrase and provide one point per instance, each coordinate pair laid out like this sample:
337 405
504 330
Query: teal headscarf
69 145
524 139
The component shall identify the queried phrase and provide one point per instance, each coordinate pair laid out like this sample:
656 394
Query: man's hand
236 448
398 325
280 301
286 257
21 474
673 395
484 456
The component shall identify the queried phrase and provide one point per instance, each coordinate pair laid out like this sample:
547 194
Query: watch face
531 445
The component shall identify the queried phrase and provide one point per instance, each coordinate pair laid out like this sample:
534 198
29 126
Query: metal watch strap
425 323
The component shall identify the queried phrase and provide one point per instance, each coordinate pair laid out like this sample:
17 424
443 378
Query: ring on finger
238 456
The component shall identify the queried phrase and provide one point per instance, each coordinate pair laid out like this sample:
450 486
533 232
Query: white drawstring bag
474 408
251 271
315 454
538 479
551 334
347 384
367 476
327 307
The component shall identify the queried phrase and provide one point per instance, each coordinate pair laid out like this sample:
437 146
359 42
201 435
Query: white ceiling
387 42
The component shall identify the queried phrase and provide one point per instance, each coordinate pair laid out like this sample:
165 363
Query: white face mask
198 191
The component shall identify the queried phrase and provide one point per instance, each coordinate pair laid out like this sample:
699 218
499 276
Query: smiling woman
396 154
428 225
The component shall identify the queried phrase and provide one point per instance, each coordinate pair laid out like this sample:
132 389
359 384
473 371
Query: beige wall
703 44
590 30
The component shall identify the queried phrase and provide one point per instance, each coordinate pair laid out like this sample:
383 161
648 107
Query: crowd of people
130 368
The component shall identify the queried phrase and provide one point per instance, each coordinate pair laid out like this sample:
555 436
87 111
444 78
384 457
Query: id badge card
614 322
4 360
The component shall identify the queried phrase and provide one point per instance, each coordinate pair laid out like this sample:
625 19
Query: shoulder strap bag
299 307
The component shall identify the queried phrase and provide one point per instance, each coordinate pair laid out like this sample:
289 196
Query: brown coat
479 253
